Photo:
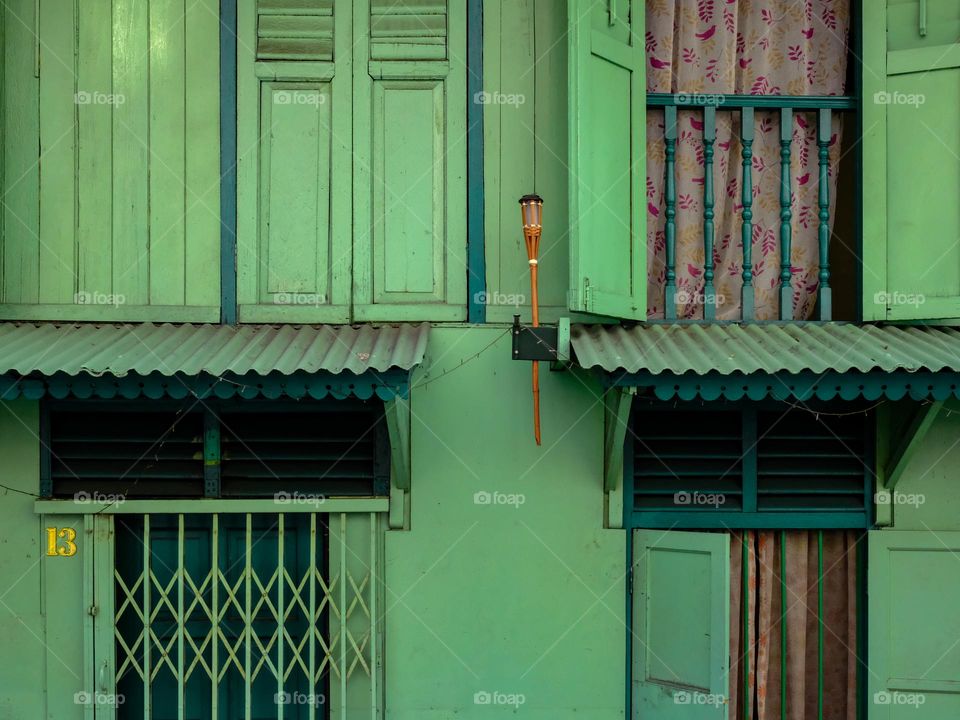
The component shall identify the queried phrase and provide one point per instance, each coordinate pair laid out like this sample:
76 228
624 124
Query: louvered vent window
749 466
248 449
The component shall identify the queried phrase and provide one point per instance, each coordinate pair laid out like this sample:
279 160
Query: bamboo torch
531 208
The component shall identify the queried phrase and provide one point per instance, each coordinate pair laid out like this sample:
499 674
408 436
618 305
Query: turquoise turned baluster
670 287
746 139
823 141
709 135
786 136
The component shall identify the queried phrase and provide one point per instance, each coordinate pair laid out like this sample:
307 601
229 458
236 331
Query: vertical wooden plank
670 140
548 105
343 615
131 166
58 108
746 198
786 138
745 649
820 625
248 135
166 139
95 160
824 125
783 625
201 91
373 569
20 138
873 129
281 640
312 628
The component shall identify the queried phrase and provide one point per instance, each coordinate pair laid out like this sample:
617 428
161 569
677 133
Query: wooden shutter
914 657
294 253
607 114
410 154
681 624
912 138
117 216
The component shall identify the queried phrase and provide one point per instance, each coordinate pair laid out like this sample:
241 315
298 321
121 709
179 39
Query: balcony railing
823 108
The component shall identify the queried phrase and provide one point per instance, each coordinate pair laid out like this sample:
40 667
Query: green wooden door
607 113
681 625
912 125
113 161
914 656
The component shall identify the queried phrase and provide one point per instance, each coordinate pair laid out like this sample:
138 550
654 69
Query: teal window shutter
681 624
749 466
607 150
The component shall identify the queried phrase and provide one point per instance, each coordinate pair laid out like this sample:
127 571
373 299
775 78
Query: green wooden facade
483 575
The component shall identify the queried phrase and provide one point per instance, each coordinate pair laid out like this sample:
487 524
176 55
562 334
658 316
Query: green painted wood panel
911 121
21 174
681 624
128 182
294 150
410 161
607 177
525 150
914 658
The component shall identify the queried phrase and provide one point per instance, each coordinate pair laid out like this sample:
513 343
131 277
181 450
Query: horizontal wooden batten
206 506
770 102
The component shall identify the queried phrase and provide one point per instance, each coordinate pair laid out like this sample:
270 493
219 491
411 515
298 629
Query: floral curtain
748 47
763 651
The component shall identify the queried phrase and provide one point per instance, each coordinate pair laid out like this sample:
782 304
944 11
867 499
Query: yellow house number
61 542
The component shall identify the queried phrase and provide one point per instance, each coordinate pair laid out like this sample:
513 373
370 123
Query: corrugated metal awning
761 359
310 359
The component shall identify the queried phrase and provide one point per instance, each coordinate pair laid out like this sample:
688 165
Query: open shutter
607 107
914 657
912 123
681 624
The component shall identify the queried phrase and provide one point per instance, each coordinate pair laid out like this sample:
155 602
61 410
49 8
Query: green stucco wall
517 599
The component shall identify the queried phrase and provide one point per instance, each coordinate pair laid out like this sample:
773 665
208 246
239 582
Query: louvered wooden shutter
142 453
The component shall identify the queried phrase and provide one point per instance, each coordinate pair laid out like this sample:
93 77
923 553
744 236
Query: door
681 625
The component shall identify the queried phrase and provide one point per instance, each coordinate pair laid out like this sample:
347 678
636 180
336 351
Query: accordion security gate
238 615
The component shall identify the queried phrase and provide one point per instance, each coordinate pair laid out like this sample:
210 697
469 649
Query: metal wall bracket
546 342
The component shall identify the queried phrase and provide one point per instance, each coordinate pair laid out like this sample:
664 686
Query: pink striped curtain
748 47
761 658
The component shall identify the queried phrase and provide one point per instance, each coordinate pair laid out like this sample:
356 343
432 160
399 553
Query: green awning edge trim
385 385
849 385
